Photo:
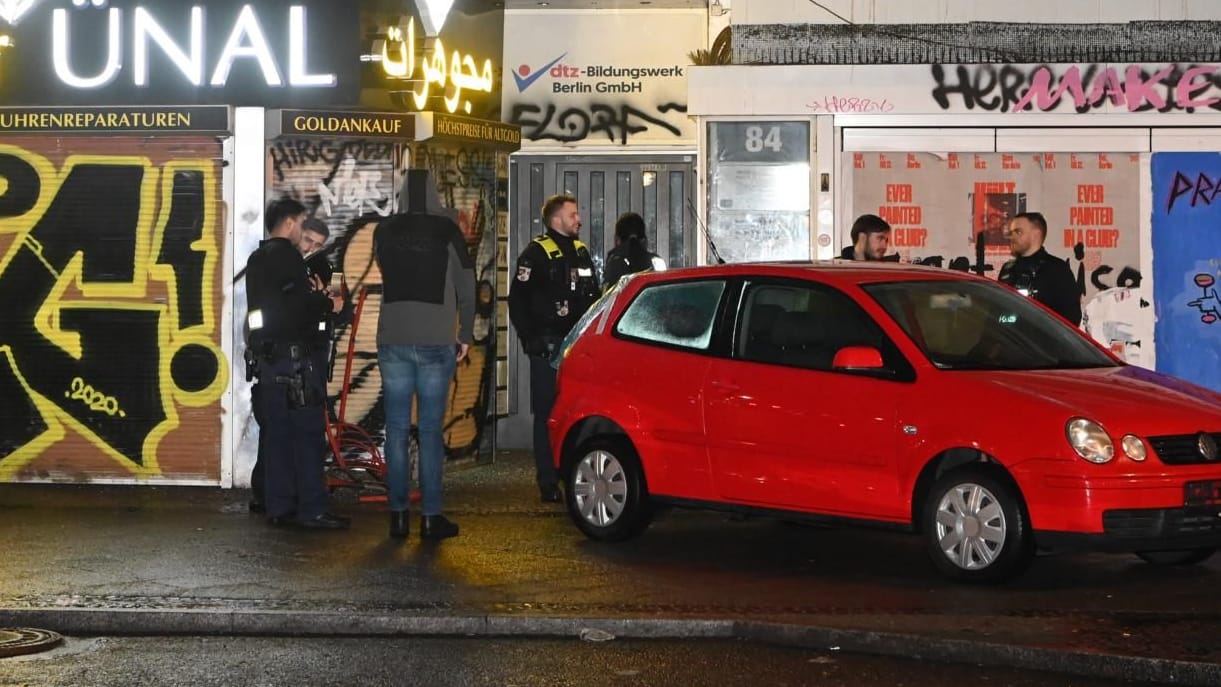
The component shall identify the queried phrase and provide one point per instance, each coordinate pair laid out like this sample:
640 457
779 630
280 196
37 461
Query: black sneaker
437 527
326 521
257 507
550 494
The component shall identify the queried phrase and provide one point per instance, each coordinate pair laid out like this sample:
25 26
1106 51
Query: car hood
1130 397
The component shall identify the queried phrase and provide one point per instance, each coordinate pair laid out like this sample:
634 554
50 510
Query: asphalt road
257 662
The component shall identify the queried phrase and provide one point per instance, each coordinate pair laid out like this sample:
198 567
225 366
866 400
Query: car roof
836 271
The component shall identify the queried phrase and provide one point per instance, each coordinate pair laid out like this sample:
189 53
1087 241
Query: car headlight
1090 440
1134 447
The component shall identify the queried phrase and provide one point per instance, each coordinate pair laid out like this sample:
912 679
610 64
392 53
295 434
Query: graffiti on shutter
110 357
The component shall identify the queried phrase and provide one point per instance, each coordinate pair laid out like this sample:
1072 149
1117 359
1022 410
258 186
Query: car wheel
607 497
1182 557
975 526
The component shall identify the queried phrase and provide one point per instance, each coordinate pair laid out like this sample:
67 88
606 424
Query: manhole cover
17 641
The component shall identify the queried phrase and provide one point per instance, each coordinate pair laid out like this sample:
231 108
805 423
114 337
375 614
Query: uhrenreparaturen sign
134 52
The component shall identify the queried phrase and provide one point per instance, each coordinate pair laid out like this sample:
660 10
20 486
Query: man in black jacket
554 285
283 309
870 240
1035 272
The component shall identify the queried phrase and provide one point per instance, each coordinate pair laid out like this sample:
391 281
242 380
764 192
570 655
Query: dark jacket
1048 280
278 288
549 293
627 258
849 253
428 278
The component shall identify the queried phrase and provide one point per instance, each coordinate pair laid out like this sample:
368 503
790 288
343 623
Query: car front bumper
1142 529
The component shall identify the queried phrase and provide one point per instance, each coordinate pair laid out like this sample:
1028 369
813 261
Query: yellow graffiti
94 399
73 291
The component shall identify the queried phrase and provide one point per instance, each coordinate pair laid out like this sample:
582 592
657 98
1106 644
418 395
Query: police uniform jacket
553 285
1048 280
279 296
627 259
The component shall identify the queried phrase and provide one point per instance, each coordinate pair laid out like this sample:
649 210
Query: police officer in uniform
553 286
631 253
1037 273
283 309
314 235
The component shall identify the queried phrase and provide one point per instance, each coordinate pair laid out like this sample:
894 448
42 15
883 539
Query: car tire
975 526
1180 557
607 496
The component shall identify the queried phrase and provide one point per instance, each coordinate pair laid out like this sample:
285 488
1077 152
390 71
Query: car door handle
725 386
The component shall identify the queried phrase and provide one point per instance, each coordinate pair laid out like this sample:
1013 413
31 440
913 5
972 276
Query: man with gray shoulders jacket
425 327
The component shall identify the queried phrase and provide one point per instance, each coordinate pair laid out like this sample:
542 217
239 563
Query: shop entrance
659 187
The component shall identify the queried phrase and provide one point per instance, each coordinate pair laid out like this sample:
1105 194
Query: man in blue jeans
425 327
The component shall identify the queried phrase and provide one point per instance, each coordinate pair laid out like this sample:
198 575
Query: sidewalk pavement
106 560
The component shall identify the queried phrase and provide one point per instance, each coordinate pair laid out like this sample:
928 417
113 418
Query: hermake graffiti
1136 88
108 323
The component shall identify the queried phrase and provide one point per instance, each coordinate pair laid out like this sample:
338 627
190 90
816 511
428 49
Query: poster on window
952 210
1187 265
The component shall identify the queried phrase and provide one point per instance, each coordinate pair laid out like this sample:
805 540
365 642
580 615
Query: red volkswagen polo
915 398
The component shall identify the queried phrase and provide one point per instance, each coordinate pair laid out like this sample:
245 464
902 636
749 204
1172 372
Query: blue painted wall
1187 265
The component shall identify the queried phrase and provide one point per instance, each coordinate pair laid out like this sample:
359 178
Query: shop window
759 190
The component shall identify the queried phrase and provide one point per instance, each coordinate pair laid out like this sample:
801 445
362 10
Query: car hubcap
600 488
970 526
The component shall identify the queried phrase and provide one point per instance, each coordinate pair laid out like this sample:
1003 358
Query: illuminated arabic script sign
451 76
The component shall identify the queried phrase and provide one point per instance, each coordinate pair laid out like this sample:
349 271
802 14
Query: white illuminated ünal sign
12 11
296 58
434 13
247 40
147 28
59 52
247 26
459 73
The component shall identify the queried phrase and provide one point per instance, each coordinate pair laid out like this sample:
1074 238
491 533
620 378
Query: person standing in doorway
631 253
425 327
1036 273
554 284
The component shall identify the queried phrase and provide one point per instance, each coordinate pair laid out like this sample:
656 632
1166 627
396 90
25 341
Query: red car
915 398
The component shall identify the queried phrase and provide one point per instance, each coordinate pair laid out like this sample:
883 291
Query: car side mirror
857 358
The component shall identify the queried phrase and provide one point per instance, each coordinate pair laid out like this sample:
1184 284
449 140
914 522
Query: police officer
1037 273
283 309
553 286
631 253
314 235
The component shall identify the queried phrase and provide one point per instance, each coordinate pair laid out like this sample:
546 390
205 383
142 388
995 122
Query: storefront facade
601 99
125 223
1119 156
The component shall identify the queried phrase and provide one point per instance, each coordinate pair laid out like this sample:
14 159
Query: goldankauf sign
270 52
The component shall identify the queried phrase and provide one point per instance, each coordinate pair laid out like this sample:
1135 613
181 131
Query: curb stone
93 622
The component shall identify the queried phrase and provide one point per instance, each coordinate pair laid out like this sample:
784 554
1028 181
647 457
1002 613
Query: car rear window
678 314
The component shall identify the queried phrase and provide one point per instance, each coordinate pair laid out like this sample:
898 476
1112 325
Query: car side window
802 326
677 314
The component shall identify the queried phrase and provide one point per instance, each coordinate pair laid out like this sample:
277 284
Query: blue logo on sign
524 77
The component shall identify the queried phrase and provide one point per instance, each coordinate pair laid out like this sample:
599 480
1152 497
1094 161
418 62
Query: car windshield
974 325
